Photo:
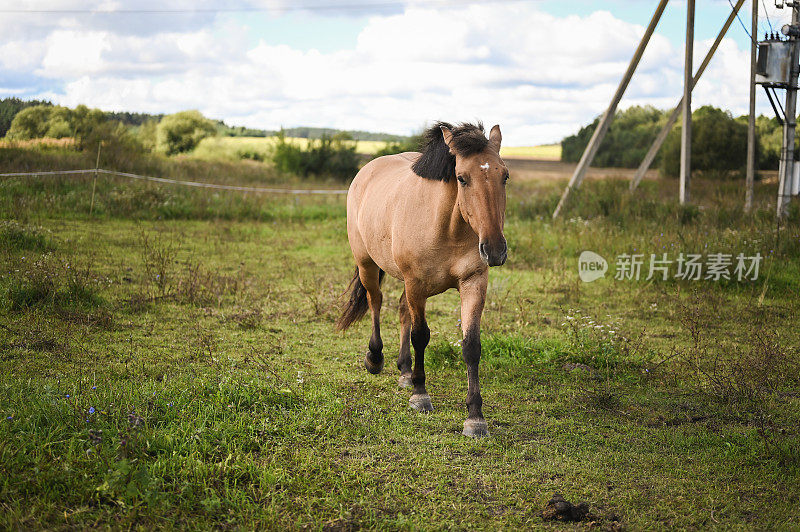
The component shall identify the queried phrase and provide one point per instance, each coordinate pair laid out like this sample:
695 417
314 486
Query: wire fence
198 184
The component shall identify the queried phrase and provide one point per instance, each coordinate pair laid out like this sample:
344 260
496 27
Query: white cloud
71 53
516 66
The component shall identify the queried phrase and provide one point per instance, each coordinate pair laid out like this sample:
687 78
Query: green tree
84 122
183 131
147 133
327 156
770 139
30 123
626 142
9 107
59 123
719 144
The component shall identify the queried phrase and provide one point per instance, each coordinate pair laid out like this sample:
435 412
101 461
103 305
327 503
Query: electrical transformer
773 65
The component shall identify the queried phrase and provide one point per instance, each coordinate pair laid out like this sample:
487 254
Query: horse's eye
462 180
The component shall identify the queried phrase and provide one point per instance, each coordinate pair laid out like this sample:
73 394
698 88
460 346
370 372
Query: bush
719 144
183 131
328 156
251 154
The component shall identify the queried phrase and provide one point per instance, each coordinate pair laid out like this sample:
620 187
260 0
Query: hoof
421 402
404 381
475 428
372 367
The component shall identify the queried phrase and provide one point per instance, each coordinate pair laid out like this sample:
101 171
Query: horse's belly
376 235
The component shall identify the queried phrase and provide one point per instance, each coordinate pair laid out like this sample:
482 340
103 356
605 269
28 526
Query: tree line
9 107
719 141
136 135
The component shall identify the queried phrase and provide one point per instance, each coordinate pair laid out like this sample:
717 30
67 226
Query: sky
539 68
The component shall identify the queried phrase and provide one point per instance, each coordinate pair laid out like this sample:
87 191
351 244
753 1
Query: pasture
170 361
236 148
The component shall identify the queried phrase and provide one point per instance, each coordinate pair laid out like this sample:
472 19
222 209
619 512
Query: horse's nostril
482 249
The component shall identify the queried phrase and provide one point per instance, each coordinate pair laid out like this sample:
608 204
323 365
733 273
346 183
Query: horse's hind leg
420 336
370 276
404 358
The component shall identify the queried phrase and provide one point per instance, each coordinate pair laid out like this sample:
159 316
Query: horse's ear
447 135
495 137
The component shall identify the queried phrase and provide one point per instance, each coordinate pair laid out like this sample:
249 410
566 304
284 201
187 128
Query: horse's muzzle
494 254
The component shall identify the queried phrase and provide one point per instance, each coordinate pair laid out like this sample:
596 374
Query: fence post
94 182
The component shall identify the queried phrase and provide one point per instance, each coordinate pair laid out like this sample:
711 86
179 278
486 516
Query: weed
247 318
158 259
15 236
751 376
52 283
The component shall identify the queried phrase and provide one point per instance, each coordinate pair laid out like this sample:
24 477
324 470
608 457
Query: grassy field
170 362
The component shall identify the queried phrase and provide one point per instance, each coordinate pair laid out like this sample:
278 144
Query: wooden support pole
676 112
602 127
686 129
751 121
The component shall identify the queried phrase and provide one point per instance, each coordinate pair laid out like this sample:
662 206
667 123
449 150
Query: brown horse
433 220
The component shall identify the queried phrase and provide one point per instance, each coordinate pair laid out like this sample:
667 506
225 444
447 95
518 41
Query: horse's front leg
370 278
473 295
420 336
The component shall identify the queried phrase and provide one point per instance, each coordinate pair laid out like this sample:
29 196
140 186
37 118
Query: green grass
545 151
177 367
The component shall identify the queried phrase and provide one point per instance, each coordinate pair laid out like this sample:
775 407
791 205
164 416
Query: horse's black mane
436 162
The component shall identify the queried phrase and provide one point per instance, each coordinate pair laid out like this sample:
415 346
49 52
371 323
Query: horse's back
373 202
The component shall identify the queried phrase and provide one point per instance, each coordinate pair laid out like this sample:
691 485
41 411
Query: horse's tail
357 304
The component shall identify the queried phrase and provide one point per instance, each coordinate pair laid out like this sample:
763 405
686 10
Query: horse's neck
450 218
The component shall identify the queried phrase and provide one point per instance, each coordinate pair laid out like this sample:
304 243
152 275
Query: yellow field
550 152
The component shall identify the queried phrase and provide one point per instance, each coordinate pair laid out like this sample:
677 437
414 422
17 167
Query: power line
246 9
740 21
766 15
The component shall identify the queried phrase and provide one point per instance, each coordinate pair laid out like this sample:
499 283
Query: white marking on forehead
485 166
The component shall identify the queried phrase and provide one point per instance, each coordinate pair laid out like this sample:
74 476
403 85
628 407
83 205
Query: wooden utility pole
686 131
787 153
751 122
605 121
676 112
